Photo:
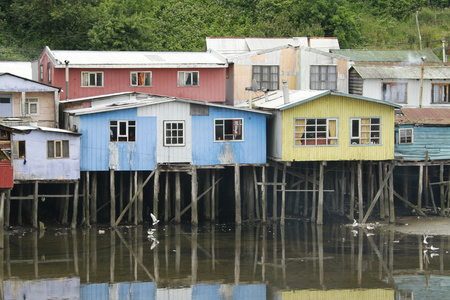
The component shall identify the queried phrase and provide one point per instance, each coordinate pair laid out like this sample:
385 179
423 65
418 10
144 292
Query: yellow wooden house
328 126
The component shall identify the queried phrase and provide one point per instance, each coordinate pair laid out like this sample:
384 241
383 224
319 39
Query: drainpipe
67 79
285 92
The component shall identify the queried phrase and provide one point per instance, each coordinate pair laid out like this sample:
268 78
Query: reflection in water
256 261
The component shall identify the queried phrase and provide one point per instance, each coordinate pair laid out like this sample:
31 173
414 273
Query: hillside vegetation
26 26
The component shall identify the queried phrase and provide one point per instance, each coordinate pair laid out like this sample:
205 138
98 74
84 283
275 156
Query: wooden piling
213 195
283 196
35 203
352 191
320 202
314 195
65 206
87 199
391 196
360 192
2 228
207 201
257 202
7 207
237 195
263 194
75 205
194 193
140 198
94 198
19 213
156 191
419 193
166 198
441 189
135 204
305 195
112 195
177 198
275 193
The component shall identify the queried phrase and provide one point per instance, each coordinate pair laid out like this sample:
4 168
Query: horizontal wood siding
98 154
435 140
343 108
206 151
36 165
164 82
355 83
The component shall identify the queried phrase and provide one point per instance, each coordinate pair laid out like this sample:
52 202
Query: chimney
285 92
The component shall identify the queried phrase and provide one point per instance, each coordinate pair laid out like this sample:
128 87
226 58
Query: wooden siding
343 108
98 154
355 83
345 294
164 82
206 151
36 165
46 116
431 139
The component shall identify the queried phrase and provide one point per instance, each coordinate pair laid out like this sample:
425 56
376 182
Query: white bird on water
434 248
425 236
355 223
154 219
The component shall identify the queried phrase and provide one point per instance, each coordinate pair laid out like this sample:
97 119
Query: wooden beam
112 195
320 202
409 204
237 194
75 205
194 194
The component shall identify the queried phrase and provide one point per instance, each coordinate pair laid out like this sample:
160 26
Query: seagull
355 233
154 219
151 231
154 244
434 248
370 227
434 254
355 223
425 236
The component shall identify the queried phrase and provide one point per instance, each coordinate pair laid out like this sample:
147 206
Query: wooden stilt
177 198
275 193
360 193
87 199
342 181
237 195
386 192
380 179
391 196
7 207
305 195
352 191
94 198
130 196
257 202
419 193
75 205
19 213
166 198
426 181
35 204
320 204
112 195
263 194
121 190
65 206
405 182
213 196
207 202
140 199
156 192
314 195
194 193
283 196
441 189
249 193
2 227
135 205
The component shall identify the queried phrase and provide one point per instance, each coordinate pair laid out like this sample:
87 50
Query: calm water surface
298 261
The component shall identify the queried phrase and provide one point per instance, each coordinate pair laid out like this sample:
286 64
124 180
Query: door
5 105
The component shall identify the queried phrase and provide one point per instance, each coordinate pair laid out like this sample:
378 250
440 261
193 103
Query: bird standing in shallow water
154 219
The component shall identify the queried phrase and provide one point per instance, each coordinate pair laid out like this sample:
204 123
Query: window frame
183 83
28 103
258 77
126 134
446 90
89 73
17 146
237 136
323 78
409 137
49 73
137 73
356 140
398 90
41 72
311 137
166 130
63 146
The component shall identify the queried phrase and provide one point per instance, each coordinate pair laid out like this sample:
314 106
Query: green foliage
183 25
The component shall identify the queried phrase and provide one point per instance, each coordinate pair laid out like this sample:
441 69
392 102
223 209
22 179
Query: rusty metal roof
436 116
405 56
402 72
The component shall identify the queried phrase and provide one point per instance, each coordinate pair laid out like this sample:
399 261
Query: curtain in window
402 93
299 130
332 128
365 131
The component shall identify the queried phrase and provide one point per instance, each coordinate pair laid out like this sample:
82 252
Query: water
299 261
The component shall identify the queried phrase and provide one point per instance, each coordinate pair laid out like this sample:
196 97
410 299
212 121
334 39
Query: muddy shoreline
420 225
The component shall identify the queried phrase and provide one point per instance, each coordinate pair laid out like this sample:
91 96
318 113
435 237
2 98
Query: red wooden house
6 166
192 75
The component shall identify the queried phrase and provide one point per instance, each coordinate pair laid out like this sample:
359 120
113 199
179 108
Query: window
188 78
365 131
174 133
141 78
266 77
323 78
91 78
315 132
41 72
49 73
31 106
19 149
395 92
122 131
5 100
440 93
405 136
58 149
228 129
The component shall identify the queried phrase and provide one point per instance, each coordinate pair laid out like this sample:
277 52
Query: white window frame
237 128
86 81
440 95
406 135
266 77
41 72
123 130
63 146
172 135
185 80
49 73
29 103
313 133
374 137
323 77
134 78
392 92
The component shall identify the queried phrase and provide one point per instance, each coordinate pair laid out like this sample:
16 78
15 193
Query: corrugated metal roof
41 128
15 83
437 116
19 68
296 97
411 56
402 72
136 59
233 46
